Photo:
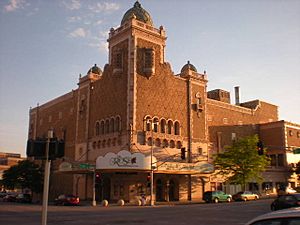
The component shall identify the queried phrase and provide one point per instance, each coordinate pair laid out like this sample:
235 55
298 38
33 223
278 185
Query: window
165 143
155 124
163 126
290 132
102 127
170 126
172 144
111 125
157 142
178 144
280 159
117 124
148 58
273 160
148 123
118 61
107 126
97 129
177 128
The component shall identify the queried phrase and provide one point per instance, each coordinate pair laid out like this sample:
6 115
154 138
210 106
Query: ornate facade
138 108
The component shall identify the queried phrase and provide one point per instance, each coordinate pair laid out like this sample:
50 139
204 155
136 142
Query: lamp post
151 167
151 161
94 188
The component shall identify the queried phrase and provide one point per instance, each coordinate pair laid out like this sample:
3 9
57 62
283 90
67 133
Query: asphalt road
235 213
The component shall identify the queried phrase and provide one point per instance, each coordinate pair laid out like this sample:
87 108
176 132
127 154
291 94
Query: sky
46 44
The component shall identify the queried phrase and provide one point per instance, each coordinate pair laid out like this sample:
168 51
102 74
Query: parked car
3 194
24 198
10 198
245 196
286 190
286 201
67 200
281 217
216 196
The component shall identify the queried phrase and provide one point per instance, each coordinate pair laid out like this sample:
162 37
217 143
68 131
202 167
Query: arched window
157 142
163 126
149 141
170 127
111 125
155 124
108 142
102 127
117 124
99 144
176 128
147 123
97 129
165 143
172 144
178 144
106 126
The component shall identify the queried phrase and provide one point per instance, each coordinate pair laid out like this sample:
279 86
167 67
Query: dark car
24 198
216 196
9 198
67 200
245 196
286 201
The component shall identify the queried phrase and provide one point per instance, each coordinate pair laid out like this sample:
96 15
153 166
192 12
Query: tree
25 174
240 162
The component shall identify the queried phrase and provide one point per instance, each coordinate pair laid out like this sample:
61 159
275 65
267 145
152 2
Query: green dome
188 66
95 69
139 13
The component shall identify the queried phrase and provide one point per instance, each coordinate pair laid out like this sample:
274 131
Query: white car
281 217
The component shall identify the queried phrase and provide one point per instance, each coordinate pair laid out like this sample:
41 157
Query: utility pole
46 180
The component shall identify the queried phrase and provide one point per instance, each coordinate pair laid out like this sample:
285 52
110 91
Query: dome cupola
95 69
188 66
139 13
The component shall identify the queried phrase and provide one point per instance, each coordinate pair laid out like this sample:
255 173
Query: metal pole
94 188
151 167
46 180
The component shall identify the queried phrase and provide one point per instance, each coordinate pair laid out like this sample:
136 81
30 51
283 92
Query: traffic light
260 148
37 148
98 177
183 153
56 148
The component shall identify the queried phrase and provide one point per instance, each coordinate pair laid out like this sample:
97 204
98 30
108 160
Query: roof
139 13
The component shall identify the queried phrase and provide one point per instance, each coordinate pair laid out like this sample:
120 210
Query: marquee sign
200 167
125 160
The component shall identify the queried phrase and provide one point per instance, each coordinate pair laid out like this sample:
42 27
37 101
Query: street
235 213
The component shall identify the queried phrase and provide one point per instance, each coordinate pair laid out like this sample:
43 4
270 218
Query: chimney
237 95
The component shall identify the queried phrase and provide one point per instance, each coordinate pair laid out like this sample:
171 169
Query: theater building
136 116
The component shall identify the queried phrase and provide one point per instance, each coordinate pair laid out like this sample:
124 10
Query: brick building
7 160
137 116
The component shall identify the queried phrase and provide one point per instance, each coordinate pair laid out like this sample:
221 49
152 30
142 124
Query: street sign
86 166
296 151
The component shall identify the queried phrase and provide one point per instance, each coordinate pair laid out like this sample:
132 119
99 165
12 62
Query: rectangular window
273 160
280 158
118 62
148 58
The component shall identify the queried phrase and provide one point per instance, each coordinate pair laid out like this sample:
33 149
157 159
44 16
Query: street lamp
152 123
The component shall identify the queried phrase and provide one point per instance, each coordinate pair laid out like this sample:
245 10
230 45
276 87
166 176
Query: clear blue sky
45 45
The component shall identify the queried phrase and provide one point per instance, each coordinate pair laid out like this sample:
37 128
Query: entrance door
106 189
172 191
159 191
